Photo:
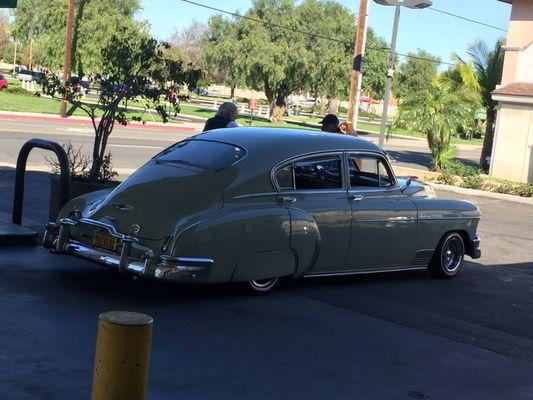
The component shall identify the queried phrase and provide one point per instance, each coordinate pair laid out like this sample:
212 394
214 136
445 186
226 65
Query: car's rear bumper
474 251
165 267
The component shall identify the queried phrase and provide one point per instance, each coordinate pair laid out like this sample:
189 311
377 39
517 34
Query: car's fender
244 244
305 239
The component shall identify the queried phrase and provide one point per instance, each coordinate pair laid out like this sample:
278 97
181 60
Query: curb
482 193
74 120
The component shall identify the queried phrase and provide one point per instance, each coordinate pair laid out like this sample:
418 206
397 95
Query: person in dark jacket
225 117
330 123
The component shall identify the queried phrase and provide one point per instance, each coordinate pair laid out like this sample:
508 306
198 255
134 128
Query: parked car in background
25 75
201 91
82 83
3 82
254 205
28 76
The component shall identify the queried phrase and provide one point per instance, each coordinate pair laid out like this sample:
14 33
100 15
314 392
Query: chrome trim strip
252 195
391 219
361 272
191 260
430 218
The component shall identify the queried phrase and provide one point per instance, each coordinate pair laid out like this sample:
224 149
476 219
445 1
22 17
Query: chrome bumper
165 267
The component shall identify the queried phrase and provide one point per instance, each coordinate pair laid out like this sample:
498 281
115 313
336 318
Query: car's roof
282 143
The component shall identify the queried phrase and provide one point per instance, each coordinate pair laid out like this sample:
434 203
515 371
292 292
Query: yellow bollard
122 356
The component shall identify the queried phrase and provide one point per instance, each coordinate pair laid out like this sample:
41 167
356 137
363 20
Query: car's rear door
314 186
384 221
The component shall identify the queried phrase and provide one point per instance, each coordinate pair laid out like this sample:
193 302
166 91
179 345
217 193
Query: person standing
224 118
330 123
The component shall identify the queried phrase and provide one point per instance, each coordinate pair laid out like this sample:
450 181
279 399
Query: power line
271 24
467 19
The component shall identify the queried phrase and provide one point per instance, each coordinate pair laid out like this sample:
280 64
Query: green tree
488 67
415 74
376 64
42 22
136 67
4 34
290 52
438 111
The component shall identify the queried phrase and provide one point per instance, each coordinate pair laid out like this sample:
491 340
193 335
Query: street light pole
68 48
390 73
357 68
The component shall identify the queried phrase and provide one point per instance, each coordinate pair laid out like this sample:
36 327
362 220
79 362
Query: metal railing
18 198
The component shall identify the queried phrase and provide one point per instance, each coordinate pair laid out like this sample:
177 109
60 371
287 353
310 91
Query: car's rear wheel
449 256
262 286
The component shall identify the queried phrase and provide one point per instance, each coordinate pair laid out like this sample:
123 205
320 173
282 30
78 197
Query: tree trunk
333 106
276 111
74 61
323 103
487 141
232 93
277 107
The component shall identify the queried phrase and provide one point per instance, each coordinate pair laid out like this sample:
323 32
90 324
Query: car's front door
384 221
315 186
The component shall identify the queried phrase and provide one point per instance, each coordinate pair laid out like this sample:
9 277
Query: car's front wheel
449 256
262 286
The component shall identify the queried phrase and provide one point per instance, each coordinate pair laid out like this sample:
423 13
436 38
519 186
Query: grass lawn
30 103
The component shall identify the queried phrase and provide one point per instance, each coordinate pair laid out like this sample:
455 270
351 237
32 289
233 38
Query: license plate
103 240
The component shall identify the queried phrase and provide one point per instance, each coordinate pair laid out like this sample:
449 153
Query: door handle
356 197
286 199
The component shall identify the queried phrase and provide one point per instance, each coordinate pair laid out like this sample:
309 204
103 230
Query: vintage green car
254 205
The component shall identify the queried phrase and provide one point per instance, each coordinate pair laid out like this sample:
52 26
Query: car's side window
285 178
311 174
318 173
368 171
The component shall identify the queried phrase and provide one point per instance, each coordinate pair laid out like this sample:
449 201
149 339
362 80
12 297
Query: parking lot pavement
390 336
396 336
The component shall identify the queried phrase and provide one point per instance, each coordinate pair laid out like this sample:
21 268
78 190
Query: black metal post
18 198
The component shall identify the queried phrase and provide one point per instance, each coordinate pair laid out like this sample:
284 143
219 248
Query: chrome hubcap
263 284
452 254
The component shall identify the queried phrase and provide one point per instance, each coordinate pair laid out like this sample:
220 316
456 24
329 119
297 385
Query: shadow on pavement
36 195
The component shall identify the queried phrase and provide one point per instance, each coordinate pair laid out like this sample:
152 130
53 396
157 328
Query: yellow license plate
103 240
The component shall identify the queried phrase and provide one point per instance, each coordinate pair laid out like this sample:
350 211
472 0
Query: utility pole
390 73
15 59
357 69
68 47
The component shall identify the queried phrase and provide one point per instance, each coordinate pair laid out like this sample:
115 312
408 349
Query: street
389 336
133 146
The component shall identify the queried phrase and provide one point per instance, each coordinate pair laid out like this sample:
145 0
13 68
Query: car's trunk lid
156 198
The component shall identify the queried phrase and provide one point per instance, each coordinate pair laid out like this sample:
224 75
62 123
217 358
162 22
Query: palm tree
438 112
488 66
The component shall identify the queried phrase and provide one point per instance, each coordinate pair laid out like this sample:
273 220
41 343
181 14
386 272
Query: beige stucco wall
520 36
513 146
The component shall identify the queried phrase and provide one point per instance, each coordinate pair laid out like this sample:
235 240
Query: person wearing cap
330 123
225 117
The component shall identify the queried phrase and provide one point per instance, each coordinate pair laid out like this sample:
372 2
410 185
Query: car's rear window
202 153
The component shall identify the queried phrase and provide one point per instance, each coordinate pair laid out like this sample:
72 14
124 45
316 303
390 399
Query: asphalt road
132 146
391 336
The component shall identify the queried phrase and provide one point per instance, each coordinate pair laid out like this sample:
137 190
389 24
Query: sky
434 32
